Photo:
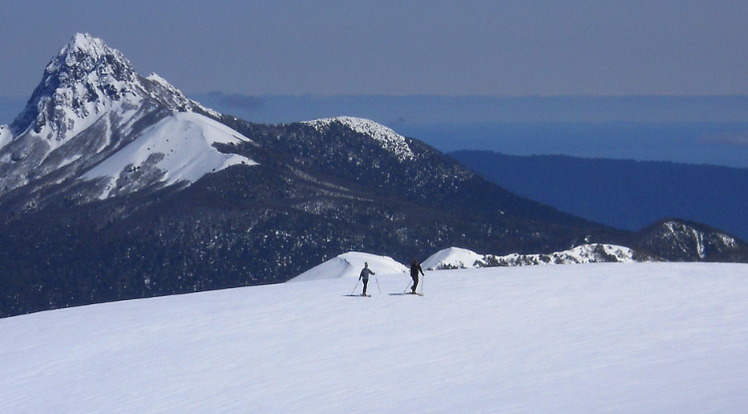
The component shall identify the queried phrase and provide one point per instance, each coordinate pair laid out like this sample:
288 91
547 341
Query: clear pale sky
402 47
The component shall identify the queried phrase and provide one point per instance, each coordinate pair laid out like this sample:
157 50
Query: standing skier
415 268
364 276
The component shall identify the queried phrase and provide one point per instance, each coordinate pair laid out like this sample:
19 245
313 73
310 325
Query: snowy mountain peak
388 139
81 83
86 80
83 45
93 116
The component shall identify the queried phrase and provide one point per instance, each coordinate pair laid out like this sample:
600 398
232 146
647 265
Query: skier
364 276
415 268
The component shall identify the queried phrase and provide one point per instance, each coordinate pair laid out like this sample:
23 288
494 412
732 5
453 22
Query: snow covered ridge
389 139
458 258
349 265
178 99
179 148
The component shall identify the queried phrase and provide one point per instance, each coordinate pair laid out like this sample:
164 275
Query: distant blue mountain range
723 144
429 109
624 194
693 130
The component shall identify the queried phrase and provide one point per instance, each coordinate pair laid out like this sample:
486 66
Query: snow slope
182 147
623 338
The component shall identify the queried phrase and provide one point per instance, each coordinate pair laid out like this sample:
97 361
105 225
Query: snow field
631 338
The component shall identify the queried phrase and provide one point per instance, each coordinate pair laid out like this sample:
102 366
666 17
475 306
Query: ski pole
354 288
407 287
380 289
423 281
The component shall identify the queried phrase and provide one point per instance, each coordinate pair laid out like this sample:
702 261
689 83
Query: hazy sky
402 47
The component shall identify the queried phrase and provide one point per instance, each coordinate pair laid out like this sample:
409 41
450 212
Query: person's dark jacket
414 269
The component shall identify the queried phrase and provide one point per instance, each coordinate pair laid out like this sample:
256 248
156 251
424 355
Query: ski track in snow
624 338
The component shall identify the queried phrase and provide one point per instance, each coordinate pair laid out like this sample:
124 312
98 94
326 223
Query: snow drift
349 265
